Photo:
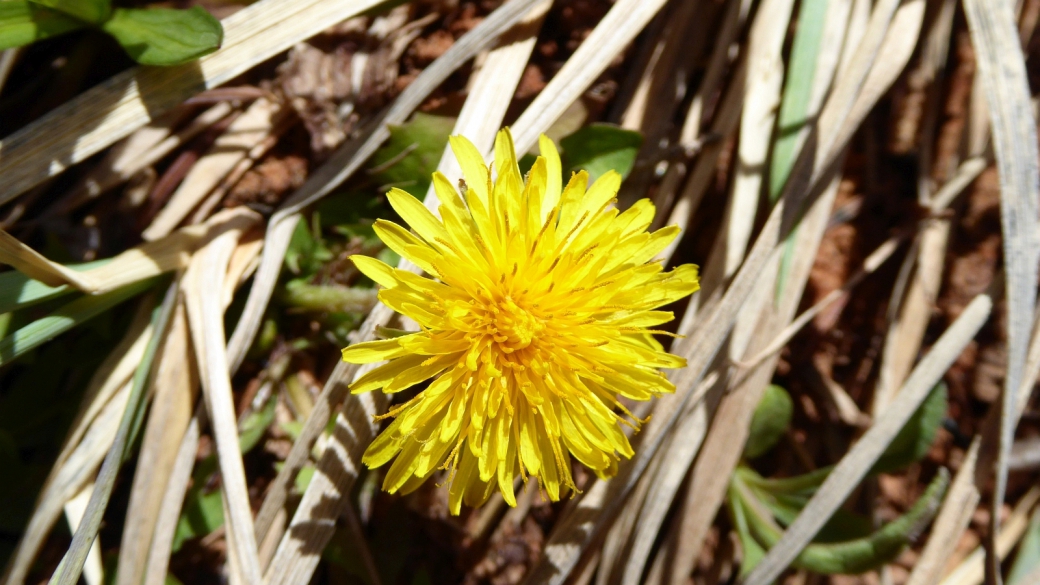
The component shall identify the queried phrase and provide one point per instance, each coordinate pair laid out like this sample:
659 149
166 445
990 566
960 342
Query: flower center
517 328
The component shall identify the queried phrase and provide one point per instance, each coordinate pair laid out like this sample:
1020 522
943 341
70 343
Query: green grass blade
73 314
793 119
18 291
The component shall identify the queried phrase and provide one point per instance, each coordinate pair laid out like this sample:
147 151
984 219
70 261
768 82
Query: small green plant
151 36
759 507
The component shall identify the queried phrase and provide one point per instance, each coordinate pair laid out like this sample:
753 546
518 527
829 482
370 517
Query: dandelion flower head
539 316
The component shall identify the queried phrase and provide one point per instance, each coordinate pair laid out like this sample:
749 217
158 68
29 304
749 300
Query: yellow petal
374 269
474 170
553 173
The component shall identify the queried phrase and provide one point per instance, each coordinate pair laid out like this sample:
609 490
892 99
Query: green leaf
852 556
753 551
599 148
255 425
202 514
307 251
18 291
915 439
163 36
410 156
65 318
770 421
92 11
1027 561
22 23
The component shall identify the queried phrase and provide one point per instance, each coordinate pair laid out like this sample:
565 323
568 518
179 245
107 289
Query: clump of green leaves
759 507
151 36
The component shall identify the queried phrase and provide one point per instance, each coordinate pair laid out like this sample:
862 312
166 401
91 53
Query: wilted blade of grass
65 318
93 572
231 147
207 275
1004 80
139 263
71 566
967 486
111 110
175 388
971 570
612 34
723 446
863 455
18 291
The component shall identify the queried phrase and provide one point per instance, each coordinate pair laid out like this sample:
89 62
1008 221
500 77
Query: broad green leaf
599 148
410 156
914 440
22 23
852 556
1027 560
92 11
65 318
770 421
18 291
163 36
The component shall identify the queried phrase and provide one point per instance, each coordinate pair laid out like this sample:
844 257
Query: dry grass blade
349 158
93 572
964 493
227 151
723 126
950 522
206 274
611 35
172 499
1003 74
143 148
971 570
124 103
870 264
855 465
71 565
315 519
175 387
134 265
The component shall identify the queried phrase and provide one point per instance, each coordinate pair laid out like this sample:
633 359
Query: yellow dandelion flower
539 318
